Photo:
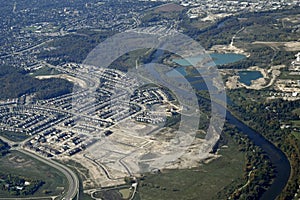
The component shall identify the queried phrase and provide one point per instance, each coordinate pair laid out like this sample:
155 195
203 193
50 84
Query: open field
18 164
296 123
296 134
170 7
288 46
203 182
297 111
126 193
13 136
45 71
118 193
287 75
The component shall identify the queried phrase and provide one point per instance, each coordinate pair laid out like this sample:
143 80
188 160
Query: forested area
18 185
16 82
73 47
258 169
270 119
259 27
4 148
262 56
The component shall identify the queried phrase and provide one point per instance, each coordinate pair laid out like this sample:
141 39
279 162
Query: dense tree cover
268 27
16 185
260 27
4 148
284 57
213 34
266 117
262 56
258 171
73 47
15 83
156 15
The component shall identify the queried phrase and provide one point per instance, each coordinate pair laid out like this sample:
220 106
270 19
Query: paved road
28 49
9 142
73 188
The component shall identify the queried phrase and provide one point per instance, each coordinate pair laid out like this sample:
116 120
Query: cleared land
170 7
202 183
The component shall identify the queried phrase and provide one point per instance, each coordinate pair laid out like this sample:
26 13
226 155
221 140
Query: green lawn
18 164
201 183
296 123
296 111
45 71
286 75
14 136
296 134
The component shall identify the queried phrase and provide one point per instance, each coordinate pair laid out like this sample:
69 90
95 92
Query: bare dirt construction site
72 79
132 149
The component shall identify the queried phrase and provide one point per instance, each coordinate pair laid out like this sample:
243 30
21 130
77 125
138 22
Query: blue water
218 59
247 76
277 157
179 71
223 59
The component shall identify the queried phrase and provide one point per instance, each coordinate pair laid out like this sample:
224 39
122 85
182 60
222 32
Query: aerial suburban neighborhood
131 129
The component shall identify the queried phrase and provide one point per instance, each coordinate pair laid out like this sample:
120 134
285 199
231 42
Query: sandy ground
213 17
268 79
228 49
132 147
288 46
72 79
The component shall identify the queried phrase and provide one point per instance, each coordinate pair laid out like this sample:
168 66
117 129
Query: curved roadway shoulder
73 181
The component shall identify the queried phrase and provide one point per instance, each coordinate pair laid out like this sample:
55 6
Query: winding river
276 156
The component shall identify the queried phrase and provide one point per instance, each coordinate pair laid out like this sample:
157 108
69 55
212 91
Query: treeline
258 170
16 82
266 117
260 27
4 148
73 47
18 185
262 56
214 34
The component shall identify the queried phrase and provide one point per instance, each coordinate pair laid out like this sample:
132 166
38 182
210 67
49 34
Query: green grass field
45 71
296 123
296 111
296 134
202 183
14 136
286 75
18 164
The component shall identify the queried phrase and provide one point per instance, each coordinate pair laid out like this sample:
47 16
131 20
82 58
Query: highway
27 49
73 188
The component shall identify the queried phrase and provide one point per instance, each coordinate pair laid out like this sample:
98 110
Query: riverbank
277 157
